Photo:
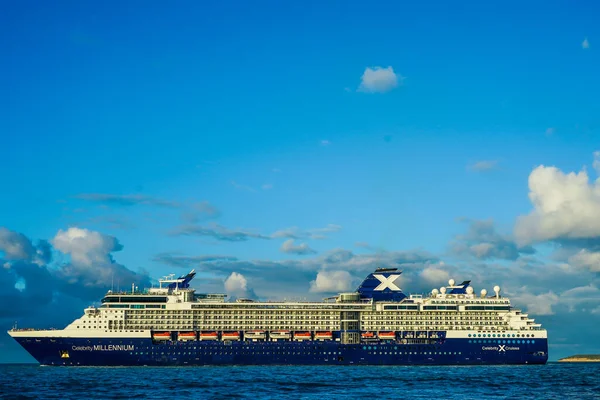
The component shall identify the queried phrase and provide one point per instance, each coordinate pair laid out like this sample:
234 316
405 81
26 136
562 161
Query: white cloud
325 142
550 131
537 305
86 247
236 283
331 282
585 44
586 259
435 275
267 186
290 248
596 163
565 206
379 80
236 286
14 245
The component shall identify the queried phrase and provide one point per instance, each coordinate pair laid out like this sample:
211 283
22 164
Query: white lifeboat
256 334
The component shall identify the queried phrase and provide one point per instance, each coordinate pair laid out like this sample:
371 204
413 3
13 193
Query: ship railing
32 329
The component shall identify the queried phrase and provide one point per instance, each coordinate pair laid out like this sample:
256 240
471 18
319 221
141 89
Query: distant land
581 358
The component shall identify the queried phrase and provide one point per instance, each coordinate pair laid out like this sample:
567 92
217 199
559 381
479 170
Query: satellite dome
451 282
496 288
442 290
434 292
469 290
483 292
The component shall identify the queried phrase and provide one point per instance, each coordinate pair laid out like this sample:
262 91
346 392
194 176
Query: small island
581 358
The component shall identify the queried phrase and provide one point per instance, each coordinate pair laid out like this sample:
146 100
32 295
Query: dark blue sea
551 381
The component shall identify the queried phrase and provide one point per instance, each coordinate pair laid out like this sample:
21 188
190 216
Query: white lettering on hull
105 347
500 348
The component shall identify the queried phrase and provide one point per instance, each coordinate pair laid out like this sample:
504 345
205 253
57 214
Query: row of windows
501 335
502 341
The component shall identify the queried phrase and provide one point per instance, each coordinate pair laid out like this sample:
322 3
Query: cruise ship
378 324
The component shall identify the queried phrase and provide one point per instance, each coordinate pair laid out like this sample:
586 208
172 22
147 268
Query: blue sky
145 139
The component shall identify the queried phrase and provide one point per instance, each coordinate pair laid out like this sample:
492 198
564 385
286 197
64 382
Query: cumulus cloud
540 304
15 246
379 80
126 199
331 282
301 249
586 259
483 165
435 275
85 247
482 241
236 286
566 206
91 268
89 271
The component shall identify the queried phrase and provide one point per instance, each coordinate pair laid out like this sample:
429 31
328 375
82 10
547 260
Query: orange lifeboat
323 336
302 335
186 335
368 335
230 336
209 336
387 335
161 336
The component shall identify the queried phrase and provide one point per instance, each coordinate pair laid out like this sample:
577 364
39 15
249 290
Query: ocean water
551 381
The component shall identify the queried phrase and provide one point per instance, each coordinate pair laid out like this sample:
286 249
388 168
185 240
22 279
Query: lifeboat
186 335
387 335
230 336
323 336
302 335
161 336
283 334
258 334
368 335
209 336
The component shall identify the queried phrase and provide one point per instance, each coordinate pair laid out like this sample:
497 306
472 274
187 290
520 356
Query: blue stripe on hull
121 352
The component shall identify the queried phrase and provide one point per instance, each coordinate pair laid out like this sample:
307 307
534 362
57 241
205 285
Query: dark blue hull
131 352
